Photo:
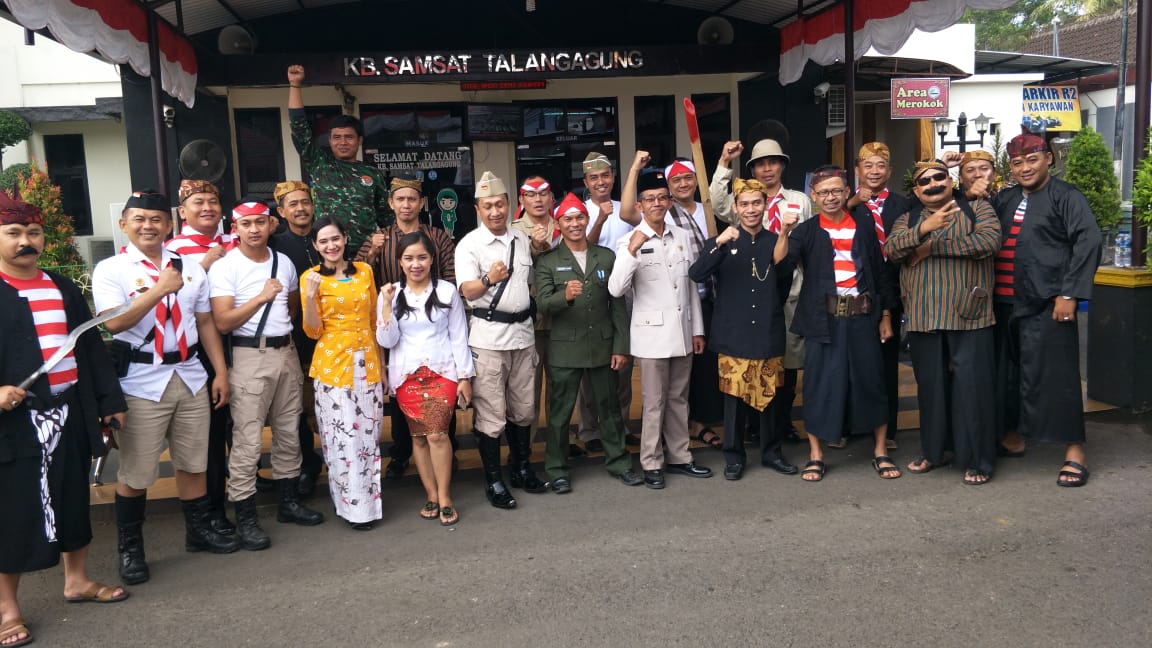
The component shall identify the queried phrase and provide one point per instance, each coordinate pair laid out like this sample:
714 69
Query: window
656 128
557 137
68 170
259 149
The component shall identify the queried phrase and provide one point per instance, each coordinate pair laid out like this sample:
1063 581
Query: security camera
821 90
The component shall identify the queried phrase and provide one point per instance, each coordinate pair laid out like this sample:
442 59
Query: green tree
13 130
1007 30
1142 191
1089 169
60 251
15 174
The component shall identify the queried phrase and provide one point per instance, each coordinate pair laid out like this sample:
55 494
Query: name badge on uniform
564 269
647 251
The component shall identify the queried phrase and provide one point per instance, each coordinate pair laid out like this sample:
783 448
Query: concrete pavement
766 561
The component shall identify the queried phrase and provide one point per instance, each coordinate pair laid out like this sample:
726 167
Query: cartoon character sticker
447 200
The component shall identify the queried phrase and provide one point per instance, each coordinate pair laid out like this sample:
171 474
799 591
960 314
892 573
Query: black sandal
431 510
449 515
885 459
714 441
1075 479
972 473
814 467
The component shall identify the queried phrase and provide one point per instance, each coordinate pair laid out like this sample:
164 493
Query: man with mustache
344 188
49 431
874 198
167 329
945 247
1046 265
768 164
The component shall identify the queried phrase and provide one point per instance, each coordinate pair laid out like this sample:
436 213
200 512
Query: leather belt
269 342
170 357
849 305
503 317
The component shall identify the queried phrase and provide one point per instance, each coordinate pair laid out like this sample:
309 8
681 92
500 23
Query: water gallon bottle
1123 249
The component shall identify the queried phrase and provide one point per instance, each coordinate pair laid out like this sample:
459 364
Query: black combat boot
290 508
218 520
252 537
520 474
497 492
130 539
198 532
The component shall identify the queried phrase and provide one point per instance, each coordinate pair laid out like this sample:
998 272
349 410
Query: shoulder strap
268 306
504 284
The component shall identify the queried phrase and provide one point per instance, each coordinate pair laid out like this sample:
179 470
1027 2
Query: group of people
213 333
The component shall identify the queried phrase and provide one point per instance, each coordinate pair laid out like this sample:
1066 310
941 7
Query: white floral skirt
349 422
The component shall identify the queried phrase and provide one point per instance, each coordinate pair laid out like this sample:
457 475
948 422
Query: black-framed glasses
924 181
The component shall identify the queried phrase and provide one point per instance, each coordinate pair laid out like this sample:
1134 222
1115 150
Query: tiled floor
165 487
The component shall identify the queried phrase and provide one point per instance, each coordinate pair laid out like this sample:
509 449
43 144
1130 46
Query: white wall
998 96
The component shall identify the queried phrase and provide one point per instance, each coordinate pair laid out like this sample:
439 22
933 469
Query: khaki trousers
664 390
266 386
502 389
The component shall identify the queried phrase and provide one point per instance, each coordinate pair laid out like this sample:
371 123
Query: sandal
838 445
925 465
974 477
1074 479
814 467
1001 451
99 593
449 515
431 510
714 441
885 472
14 627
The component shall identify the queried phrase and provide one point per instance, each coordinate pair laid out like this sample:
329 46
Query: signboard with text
1050 108
919 98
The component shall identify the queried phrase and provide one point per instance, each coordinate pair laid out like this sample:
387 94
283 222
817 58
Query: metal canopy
990 62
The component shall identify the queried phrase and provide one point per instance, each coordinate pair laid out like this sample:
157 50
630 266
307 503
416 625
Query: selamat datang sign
919 98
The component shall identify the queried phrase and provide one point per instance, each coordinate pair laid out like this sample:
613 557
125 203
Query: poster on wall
1050 108
919 98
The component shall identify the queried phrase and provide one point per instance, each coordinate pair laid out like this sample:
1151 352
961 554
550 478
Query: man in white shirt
254 293
607 222
666 330
165 333
494 269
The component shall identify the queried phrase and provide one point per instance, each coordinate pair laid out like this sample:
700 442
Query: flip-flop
449 515
1001 451
838 445
431 510
1075 479
99 593
13 627
714 441
972 473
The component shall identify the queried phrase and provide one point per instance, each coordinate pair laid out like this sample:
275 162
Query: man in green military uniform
589 334
343 187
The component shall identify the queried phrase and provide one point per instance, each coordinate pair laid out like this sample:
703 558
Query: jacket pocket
973 305
648 318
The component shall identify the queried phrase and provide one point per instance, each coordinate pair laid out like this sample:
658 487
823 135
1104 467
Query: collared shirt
697 229
525 224
440 343
387 265
239 277
118 279
193 245
475 254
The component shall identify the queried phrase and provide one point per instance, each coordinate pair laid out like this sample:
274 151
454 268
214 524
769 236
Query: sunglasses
924 181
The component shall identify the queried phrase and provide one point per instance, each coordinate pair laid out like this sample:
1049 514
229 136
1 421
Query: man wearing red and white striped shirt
49 431
844 316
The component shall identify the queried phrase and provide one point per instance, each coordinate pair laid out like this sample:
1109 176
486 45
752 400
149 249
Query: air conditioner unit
95 249
837 110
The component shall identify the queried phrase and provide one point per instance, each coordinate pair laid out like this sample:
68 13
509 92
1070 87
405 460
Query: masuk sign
919 98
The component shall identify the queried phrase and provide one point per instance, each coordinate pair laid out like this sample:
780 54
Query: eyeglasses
824 193
536 194
924 181
652 200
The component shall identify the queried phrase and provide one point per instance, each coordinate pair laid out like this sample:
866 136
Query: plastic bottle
1123 249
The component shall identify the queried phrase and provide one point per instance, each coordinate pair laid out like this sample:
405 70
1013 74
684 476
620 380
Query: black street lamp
943 124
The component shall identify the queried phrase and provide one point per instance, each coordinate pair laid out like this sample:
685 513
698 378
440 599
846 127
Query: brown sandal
99 593
14 627
431 510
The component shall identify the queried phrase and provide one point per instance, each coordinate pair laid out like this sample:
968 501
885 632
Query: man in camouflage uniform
344 188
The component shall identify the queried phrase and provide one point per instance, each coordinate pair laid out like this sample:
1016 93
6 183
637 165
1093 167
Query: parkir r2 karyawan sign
919 98
1050 108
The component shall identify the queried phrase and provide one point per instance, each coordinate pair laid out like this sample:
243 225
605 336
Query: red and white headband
537 185
679 168
245 209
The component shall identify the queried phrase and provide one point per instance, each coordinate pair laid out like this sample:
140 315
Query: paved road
767 561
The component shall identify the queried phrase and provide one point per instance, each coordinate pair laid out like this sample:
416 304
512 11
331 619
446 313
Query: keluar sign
919 98
1055 108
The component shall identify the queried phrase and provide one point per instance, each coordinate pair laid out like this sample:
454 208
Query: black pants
736 415
890 353
705 402
219 440
1007 352
1051 401
956 393
401 448
781 405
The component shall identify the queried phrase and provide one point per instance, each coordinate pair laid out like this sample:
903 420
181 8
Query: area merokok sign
919 98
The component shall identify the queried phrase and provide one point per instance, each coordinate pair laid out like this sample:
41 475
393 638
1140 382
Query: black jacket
895 206
811 247
1058 247
97 390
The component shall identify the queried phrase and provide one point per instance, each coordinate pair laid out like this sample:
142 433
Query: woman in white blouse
421 319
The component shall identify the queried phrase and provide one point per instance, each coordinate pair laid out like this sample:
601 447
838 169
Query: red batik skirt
427 400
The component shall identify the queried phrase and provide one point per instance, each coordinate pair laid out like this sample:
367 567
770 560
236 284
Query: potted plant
1142 190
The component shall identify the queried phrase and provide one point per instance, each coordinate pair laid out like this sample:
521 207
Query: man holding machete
50 428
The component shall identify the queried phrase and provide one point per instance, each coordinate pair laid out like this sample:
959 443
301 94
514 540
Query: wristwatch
1067 297
485 280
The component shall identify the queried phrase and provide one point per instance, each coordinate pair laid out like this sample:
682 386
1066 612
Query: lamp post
943 124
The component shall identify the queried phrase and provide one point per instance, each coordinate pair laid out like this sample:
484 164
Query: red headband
249 209
538 185
679 168
569 204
